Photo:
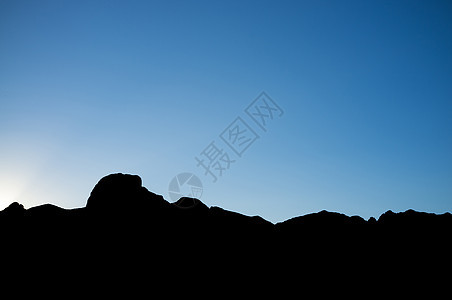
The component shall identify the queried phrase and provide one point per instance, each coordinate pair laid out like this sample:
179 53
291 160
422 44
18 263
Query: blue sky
89 88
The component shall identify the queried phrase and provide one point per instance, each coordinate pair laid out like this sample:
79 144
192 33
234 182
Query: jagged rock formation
124 226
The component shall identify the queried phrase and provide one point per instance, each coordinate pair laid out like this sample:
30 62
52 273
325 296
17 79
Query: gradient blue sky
89 88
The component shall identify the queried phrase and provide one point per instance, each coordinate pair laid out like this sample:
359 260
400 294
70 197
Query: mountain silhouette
124 228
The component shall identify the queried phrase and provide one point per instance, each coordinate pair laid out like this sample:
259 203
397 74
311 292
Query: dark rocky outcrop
125 227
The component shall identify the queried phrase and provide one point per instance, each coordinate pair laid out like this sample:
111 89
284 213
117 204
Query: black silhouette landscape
124 227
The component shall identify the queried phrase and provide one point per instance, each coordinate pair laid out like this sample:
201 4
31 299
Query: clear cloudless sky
89 88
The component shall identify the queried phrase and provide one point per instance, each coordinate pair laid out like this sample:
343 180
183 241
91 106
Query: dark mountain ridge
121 200
123 194
124 226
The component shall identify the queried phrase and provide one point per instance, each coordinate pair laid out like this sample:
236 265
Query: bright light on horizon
10 191
23 158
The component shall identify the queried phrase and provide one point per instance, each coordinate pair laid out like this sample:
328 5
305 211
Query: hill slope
125 228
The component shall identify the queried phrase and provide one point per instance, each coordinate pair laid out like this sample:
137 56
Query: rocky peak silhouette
124 226
123 194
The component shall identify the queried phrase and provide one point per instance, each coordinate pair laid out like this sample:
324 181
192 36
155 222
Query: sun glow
14 184
9 193
21 160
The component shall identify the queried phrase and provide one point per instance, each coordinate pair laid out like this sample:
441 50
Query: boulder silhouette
115 192
46 211
14 210
191 204
123 194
